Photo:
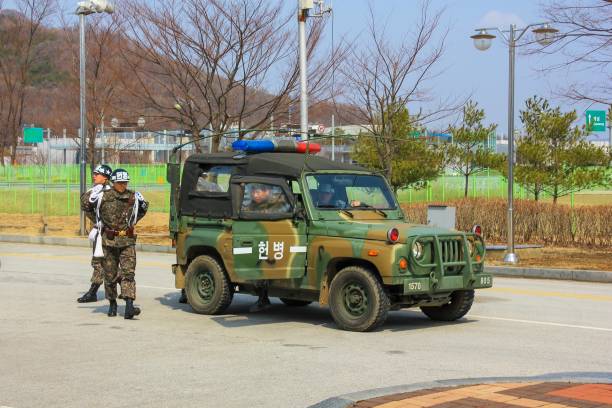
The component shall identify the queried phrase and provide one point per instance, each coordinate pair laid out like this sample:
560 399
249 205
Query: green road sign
32 135
596 120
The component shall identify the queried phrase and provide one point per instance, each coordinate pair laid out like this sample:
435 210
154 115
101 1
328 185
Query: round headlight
417 250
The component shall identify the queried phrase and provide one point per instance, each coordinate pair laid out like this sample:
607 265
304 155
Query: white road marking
573 326
297 248
242 251
503 319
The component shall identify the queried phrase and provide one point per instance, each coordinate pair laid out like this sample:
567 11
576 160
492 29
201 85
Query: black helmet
104 170
120 175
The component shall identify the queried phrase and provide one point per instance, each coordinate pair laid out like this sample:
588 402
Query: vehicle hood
377 230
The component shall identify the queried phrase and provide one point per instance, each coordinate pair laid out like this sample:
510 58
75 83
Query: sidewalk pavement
578 390
510 271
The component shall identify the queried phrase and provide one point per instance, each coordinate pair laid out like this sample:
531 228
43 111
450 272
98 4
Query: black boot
263 301
183 298
112 309
130 310
91 295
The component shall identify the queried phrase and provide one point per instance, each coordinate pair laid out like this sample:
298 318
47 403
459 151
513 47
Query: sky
466 70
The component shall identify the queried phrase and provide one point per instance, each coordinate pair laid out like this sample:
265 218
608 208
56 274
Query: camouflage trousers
119 269
97 277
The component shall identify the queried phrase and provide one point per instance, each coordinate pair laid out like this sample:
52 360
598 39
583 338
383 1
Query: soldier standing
101 176
119 211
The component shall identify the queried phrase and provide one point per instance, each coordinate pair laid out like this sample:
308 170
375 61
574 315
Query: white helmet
120 175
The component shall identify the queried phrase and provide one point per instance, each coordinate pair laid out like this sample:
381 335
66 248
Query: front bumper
452 262
446 284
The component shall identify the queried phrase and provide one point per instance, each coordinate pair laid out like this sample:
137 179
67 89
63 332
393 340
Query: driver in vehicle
326 197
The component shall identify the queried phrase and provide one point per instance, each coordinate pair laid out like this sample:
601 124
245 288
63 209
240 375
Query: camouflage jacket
116 211
274 204
88 207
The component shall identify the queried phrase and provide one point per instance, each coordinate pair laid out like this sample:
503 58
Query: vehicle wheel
295 302
207 287
460 303
357 300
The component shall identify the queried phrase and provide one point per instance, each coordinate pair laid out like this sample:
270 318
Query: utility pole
85 8
103 137
83 119
610 129
304 7
333 133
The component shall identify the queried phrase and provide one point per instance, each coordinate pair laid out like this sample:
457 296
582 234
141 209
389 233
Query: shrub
534 222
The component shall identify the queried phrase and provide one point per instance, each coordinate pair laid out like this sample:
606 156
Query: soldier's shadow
171 300
238 315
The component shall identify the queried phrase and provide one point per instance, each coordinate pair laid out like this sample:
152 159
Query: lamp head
95 6
482 40
545 34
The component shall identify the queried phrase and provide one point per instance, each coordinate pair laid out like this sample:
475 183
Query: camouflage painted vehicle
338 238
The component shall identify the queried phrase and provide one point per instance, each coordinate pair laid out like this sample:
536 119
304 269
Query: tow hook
434 280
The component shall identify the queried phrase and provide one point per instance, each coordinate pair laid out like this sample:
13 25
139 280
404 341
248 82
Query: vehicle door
269 240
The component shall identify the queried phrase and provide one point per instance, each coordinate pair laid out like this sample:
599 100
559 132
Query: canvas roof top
280 164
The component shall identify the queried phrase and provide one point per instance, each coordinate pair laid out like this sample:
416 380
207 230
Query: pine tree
407 160
469 152
554 156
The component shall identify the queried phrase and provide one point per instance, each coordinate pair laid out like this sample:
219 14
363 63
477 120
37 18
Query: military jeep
338 237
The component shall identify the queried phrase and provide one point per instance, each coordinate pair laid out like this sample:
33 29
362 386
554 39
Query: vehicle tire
357 300
295 302
460 303
207 286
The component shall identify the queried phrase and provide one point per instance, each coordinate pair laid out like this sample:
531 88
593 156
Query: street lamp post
544 34
304 8
84 8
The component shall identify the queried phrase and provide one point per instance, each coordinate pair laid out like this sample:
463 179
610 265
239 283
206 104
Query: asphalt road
57 353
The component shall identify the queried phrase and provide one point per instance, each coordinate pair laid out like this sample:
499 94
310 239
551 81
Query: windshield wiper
376 210
347 212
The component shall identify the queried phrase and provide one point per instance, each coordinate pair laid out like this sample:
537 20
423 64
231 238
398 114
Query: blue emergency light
279 146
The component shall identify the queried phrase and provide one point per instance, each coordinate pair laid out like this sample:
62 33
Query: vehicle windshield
350 192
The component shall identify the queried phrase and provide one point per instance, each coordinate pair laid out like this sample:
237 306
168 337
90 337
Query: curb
346 400
516 272
560 274
76 242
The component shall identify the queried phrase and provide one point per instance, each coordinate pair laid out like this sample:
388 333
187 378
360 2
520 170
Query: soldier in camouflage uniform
101 176
120 210
264 200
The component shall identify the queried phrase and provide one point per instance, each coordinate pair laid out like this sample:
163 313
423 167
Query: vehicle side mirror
299 213
173 172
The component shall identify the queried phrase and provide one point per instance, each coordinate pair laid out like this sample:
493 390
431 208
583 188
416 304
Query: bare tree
385 78
22 34
585 40
218 64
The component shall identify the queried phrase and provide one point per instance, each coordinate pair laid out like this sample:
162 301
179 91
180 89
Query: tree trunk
467 184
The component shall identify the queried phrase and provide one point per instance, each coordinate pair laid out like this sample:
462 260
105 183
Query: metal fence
54 189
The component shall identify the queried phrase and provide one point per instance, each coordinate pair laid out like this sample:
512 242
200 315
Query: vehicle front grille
452 251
